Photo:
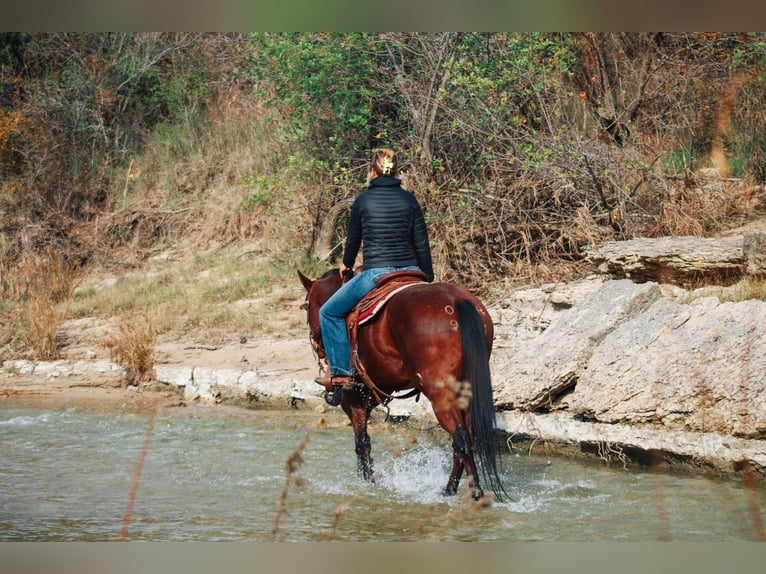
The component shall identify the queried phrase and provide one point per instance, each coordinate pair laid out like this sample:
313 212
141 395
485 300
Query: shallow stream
218 473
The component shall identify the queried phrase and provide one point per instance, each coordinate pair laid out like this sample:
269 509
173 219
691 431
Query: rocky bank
632 372
630 366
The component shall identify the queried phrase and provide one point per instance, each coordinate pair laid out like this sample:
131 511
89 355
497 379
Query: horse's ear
307 283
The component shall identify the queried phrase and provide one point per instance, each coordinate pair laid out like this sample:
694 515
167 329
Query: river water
220 474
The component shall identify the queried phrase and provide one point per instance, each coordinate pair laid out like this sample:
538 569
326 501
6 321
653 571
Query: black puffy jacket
389 221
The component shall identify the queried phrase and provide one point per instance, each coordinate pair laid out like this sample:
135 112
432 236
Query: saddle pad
368 308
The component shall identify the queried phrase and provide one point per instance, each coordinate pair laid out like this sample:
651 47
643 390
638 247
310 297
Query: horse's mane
330 273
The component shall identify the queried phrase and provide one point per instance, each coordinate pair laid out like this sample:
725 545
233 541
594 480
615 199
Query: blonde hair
384 162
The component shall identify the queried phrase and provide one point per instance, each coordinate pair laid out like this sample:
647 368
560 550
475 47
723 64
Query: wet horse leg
359 416
456 474
453 421
462 459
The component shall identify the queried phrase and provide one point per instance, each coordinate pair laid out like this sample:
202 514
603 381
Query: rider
389 221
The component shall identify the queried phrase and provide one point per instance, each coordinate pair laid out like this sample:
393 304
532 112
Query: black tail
476 370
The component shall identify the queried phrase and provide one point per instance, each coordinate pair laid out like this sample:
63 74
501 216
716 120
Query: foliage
322 83
525 149
73 107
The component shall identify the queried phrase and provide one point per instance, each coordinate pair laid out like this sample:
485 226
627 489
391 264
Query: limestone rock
628 355
547 367
698 367
677 260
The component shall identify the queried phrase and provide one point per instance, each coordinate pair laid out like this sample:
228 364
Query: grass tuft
133 347
34 299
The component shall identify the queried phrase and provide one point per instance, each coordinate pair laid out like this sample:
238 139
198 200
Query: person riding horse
387 220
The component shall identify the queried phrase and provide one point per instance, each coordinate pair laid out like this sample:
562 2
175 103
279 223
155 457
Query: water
214 473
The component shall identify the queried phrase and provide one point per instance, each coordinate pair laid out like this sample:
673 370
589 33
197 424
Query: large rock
676 260
630 357
626 443
632 372
538 374
697 367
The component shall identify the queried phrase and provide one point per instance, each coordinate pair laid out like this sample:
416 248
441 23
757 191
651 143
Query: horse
429 338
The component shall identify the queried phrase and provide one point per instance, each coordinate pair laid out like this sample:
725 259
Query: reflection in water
218 474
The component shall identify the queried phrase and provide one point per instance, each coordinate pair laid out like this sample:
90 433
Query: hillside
152 186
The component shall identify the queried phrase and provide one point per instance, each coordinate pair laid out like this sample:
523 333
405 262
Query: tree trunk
438 83
324 248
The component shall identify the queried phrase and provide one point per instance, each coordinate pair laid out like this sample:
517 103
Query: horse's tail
482 409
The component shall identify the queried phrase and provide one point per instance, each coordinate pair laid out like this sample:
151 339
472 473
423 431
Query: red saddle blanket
388 286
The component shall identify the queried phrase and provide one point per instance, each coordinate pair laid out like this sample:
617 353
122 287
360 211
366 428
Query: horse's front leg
359 416
364 460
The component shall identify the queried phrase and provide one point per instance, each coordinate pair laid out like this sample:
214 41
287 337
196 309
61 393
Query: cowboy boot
325 380
330 382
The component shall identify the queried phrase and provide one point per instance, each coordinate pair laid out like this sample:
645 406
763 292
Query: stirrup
345 382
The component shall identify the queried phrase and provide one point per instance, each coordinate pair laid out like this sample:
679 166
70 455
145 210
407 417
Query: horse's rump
417 336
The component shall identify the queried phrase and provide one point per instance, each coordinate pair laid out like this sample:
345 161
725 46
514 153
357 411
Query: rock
172 375
240 387
58 368
547 367
528 312
635 368
623 443
699 367
677 260
754 247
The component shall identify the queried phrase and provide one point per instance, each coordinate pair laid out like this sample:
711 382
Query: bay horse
434 339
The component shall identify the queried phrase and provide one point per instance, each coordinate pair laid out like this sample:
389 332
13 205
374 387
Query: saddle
370 305
387 287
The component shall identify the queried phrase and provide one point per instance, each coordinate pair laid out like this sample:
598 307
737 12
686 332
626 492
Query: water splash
420 474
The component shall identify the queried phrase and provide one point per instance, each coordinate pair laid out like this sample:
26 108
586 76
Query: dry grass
205 297
292 465
748 288
41 319
35 295
133 347
743 290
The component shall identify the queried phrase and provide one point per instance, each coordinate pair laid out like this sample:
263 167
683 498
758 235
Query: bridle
316 341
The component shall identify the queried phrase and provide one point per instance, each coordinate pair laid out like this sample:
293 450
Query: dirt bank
62 383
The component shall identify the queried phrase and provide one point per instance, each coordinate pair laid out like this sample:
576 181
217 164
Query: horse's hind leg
462 459
452 420
456 474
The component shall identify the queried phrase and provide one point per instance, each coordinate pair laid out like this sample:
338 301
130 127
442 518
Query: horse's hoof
334 398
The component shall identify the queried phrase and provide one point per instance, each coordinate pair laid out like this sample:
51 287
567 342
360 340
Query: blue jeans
332 316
